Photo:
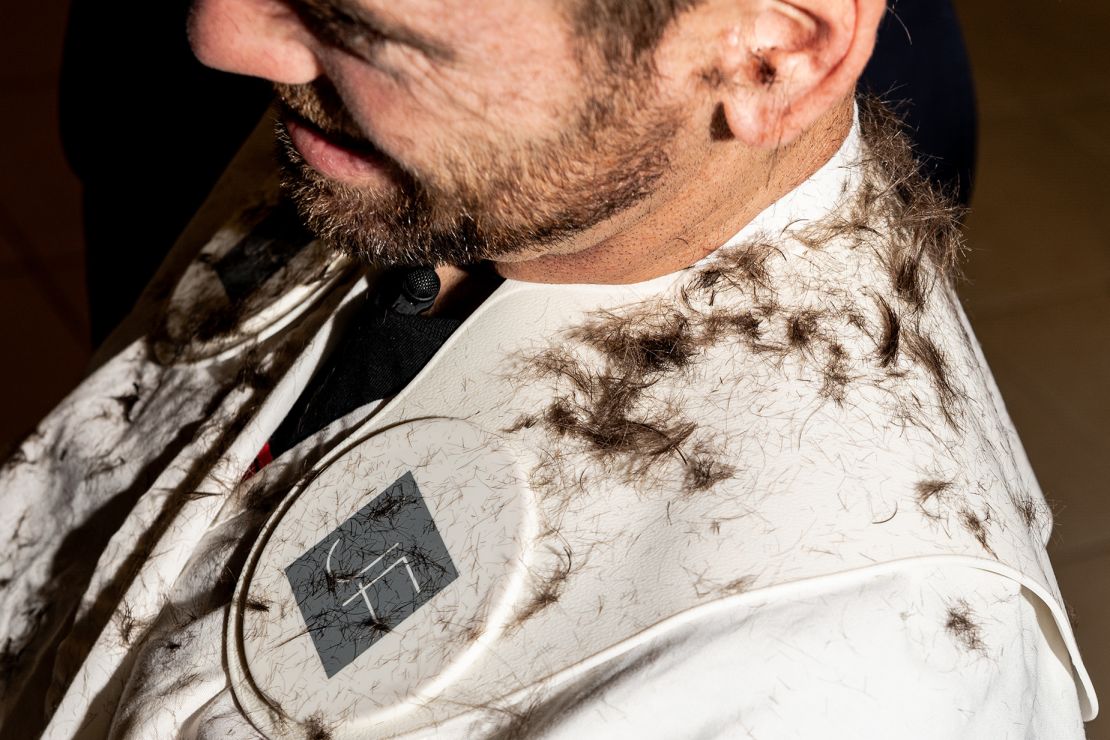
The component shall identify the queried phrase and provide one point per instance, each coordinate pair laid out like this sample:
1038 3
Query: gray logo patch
375 570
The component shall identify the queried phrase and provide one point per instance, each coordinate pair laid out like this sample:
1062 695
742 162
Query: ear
787 62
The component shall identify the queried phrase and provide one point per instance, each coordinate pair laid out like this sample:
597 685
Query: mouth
336 155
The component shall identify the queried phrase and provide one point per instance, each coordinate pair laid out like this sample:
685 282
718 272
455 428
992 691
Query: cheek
411 110
418 108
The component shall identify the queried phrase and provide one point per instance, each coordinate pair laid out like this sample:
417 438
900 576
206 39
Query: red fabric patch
264 458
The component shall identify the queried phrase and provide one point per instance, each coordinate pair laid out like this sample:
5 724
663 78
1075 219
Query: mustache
319 105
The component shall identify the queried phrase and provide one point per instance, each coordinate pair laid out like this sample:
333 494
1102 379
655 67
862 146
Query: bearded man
624 393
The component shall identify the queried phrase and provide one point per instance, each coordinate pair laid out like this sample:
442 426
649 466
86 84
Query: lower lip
333 160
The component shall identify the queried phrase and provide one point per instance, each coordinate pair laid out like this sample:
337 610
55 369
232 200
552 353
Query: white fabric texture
838 547
863 658
917 652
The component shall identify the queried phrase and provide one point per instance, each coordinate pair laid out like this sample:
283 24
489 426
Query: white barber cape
775 495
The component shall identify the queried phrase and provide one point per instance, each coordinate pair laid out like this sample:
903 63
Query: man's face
453 132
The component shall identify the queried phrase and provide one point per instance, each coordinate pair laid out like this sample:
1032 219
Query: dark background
1037 282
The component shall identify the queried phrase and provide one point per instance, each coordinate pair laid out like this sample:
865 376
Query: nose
258 38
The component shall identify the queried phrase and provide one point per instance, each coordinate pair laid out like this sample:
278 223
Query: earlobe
788 63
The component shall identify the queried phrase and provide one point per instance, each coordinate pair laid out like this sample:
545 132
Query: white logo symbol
364 586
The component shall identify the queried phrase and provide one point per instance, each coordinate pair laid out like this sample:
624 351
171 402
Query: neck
705 203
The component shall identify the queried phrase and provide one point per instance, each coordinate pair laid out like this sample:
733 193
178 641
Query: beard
488 200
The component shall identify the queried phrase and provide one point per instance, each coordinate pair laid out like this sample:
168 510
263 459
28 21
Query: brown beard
493 201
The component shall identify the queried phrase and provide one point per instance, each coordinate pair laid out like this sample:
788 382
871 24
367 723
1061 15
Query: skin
759 92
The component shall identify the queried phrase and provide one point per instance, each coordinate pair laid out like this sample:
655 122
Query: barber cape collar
429 547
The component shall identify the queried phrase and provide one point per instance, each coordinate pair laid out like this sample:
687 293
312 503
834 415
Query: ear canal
765 72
